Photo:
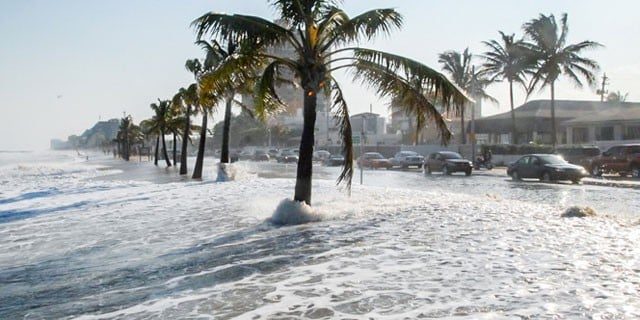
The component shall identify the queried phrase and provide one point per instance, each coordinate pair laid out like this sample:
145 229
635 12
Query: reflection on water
405 245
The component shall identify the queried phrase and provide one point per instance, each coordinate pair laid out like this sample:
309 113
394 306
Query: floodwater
103 239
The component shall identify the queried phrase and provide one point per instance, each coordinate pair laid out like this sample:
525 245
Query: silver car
406 159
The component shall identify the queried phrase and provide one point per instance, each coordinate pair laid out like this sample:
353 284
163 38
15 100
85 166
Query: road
494 184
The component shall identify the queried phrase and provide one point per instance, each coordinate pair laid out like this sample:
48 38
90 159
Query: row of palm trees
535 61
325 39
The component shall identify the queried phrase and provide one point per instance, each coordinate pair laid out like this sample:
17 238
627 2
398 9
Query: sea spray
226 172
291 212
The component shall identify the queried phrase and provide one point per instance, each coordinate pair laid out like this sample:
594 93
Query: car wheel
576 181
515 176
623 174
467 173
427 169
635 172
596 171
445 171
546 177
419 166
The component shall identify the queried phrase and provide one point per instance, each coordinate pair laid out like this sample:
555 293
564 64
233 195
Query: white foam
291 212
226 172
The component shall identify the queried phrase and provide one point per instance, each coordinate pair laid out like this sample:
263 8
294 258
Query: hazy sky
64 64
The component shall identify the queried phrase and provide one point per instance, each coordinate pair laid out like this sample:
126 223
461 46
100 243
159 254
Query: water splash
291 212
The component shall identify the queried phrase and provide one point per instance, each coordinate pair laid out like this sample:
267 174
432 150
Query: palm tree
324 39
123 136
187 100
467 77
158 124
215 55
508 60
554 57
617 96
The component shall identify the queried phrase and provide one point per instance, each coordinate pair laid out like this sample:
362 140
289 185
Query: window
631 133
604 133
580 135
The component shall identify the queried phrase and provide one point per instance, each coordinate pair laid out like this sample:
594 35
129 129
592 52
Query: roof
535 115
623 112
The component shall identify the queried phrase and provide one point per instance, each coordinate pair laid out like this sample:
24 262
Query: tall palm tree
187 100
508 60
215 55
324 39
158 124
123 136
467 77
554 57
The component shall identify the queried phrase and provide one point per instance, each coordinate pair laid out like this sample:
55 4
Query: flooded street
85 242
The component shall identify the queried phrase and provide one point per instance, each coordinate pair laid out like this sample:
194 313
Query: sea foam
291 212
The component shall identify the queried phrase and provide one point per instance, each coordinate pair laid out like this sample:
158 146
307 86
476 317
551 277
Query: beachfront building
578 122
373 129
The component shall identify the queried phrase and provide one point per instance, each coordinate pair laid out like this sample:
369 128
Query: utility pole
362 133
603 90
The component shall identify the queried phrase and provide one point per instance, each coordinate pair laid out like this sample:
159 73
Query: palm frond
416 96
340 112
433 82
241 28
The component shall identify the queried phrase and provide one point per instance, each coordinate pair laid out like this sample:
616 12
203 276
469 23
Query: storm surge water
76 244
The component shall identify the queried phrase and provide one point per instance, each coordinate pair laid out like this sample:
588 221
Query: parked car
288 156
245 155
321 155
546 167
406 159
334 160
373 160
261 155
621 159
579 155
447 162
273 153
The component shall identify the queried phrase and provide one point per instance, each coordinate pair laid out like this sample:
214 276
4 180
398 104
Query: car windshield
373 156
451 155
408 153
552 159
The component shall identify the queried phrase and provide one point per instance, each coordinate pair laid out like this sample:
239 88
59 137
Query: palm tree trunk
155 162
164 149
554 136
226 127
175 148
305 165
463 137
514 132
185 140
197 171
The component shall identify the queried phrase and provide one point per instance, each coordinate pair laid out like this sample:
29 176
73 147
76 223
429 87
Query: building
578 122
372 128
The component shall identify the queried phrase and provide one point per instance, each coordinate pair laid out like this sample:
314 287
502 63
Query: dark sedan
334 161
546 167
447 162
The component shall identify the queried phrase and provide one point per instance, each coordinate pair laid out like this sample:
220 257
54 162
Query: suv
579 155
622 159
406 159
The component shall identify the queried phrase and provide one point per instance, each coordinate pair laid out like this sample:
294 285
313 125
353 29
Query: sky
66 64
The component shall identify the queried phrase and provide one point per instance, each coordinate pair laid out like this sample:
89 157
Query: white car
406 159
